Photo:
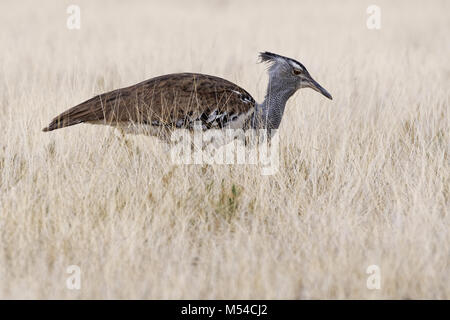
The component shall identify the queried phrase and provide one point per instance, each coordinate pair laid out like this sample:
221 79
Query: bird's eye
296 71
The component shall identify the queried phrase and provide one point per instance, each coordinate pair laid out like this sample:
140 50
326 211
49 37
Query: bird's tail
87 111
61 121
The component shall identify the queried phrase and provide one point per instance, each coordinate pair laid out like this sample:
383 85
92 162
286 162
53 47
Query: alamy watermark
373 21
374 280
74 19
227 146
73 282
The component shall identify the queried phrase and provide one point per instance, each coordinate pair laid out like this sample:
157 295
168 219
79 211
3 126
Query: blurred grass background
363 179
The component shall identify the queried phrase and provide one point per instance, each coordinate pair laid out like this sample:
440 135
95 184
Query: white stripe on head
296 65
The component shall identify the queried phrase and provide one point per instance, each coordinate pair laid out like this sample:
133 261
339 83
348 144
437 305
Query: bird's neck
270 112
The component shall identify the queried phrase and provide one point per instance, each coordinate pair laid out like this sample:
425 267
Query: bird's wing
175 100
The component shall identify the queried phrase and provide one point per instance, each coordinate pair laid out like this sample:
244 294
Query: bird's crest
273 58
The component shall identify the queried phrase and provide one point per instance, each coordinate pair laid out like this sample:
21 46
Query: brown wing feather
164 100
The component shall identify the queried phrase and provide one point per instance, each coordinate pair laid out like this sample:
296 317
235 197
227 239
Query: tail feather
60 122
87 111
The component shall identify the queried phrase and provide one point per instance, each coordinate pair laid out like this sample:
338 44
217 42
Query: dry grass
364 179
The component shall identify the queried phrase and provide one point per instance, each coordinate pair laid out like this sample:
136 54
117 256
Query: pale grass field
363 179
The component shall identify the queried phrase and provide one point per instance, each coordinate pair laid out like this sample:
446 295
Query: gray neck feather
270 112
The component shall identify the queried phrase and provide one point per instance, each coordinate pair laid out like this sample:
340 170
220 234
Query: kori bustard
187 100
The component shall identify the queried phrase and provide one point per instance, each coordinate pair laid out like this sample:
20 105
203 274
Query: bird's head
290 73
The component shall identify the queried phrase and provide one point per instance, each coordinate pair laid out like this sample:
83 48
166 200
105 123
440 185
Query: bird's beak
313 84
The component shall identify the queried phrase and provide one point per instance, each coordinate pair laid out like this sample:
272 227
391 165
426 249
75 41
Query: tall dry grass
363 179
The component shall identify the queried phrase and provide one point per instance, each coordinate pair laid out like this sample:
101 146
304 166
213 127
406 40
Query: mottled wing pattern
174 101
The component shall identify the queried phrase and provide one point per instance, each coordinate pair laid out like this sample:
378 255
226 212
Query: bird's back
174 100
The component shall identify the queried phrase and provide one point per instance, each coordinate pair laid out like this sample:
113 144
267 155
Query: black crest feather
267 56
